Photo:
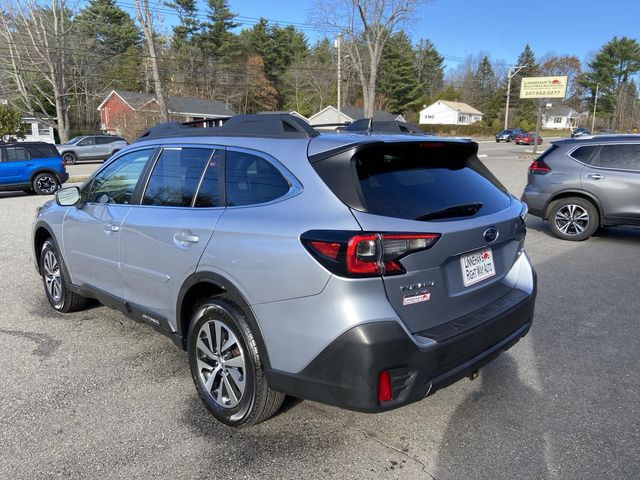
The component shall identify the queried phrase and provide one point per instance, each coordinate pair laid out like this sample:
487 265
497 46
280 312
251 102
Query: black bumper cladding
346 373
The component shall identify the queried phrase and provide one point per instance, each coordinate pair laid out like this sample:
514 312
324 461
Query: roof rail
267 125
368 125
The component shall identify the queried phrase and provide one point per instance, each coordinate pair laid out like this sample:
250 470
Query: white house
444 112
560 118
331 114
37 130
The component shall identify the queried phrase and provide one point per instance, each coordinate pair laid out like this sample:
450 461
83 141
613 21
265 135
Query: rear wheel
573 218
226 366
45 184
69 158
56 282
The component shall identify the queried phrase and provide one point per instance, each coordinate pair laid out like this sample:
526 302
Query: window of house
557 119
462 118
44 129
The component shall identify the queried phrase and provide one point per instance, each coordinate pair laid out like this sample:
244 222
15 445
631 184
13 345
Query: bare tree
36 38
366 26
146 22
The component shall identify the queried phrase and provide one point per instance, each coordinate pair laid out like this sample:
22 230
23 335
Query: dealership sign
543 87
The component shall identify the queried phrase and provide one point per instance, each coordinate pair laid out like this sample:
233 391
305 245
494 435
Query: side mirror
67 197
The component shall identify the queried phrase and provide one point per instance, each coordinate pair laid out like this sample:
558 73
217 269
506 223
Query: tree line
62 62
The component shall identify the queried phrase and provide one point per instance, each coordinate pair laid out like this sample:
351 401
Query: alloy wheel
53 280
46 184
572 219
221 363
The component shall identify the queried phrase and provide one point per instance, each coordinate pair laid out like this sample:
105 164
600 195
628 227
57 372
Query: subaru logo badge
491 234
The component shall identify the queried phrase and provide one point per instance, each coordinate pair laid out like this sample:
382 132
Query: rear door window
427 182
176 176
43 151
623 157
17 154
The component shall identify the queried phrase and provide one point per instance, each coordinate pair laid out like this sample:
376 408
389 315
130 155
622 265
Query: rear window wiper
464 210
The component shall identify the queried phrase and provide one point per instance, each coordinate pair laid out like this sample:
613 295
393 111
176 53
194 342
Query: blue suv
32 167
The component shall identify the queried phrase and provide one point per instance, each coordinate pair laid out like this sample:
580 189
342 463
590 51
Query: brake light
354 254
539 167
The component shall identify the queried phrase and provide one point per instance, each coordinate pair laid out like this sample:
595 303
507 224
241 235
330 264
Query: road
95 395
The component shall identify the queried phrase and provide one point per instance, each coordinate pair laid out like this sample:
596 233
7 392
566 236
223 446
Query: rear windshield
43 150
427 181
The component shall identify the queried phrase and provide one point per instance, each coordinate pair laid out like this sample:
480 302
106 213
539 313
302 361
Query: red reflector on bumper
384 387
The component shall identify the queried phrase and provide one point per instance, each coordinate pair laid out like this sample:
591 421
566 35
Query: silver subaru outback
363 271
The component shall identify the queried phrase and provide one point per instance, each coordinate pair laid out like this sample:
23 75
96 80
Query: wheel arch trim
576 193
217 280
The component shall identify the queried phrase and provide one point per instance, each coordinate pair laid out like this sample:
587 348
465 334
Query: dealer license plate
477 266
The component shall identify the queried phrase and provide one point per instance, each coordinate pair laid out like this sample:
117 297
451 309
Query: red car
527 138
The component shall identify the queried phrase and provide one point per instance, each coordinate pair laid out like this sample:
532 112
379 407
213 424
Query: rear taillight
352 254
539 167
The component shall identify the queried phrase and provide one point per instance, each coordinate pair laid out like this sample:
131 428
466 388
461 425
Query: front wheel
573 218
226 365
56 282
45 184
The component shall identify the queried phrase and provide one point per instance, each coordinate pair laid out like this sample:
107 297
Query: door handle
186 237
595 176
111 228
28 164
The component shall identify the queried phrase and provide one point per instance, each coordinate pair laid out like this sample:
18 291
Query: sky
498 27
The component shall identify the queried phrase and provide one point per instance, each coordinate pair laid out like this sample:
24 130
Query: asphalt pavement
95 395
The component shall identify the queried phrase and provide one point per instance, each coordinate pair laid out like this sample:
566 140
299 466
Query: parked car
582 184
527 139
32 167
90 148
580 131
508 134
363 271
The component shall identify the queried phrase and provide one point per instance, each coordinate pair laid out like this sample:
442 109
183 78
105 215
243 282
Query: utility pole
338 43
510 76
595 108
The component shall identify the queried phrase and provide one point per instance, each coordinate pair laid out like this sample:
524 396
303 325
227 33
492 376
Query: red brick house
124 111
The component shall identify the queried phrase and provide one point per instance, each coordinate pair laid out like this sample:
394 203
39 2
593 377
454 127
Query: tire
55 281
573 218
45 184
240 375
69 158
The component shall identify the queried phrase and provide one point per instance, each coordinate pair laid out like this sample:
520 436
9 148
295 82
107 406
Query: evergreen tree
398 78
110 28
610 71
484 84
184 32
216 38
430 69
526 108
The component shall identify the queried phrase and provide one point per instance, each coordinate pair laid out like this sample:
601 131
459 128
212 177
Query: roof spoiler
368 125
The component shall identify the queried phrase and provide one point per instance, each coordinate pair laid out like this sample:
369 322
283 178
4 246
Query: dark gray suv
580 184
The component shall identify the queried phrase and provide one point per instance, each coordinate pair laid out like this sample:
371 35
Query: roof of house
356 113
461 107
179 105
561 112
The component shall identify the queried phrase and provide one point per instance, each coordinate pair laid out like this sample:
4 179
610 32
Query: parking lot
96 395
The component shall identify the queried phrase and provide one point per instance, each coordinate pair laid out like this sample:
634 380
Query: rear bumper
346 373
536 201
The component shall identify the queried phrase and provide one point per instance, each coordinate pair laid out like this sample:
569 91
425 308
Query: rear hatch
435 187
